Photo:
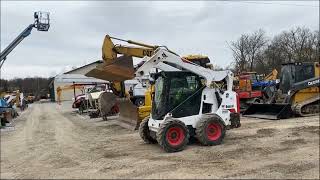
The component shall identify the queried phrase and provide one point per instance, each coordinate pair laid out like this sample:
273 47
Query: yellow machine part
308 93
60 89
17 98
117 69
193 57
305 94
272 76
110 51
2 94
144 111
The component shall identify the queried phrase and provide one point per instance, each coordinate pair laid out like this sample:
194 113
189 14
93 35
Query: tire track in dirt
52 141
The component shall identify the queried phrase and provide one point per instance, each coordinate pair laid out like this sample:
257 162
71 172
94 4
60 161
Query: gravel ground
53 141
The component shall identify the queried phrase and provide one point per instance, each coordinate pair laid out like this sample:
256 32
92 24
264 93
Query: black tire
175 127
210 130
144 132
3 122
81 108
139 102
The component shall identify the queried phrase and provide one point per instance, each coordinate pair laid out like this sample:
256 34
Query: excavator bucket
269 111
117 70
128 117
106 101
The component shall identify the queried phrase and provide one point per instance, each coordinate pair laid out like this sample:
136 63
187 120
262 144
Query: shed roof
77 78
95 62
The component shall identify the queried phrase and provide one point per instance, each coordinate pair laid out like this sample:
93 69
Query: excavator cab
42 21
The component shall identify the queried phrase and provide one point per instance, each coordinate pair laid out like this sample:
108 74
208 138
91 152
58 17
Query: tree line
257 52
31 85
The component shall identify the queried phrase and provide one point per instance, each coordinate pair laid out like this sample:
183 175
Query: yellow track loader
298 93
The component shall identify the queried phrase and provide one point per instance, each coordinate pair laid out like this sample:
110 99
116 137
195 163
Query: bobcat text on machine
193 101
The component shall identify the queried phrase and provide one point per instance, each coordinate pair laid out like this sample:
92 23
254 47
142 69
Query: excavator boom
110 50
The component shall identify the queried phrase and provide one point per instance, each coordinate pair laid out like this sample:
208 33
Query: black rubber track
201 127
144 132
161 135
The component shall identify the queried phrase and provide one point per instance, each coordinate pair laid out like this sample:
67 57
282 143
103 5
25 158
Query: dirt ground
52 141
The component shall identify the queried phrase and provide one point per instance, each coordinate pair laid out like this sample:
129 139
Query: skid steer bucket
269 111
128 117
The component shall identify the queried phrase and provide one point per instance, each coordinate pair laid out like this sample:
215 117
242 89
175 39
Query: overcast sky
78 28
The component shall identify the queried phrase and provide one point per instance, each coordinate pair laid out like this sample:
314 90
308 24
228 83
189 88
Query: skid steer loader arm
163 56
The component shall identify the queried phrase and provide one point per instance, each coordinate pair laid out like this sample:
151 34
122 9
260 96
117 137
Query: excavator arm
117 69
110 51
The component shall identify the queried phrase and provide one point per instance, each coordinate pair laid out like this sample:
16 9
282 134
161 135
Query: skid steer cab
184 106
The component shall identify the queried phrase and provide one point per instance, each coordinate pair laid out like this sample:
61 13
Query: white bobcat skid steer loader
194 101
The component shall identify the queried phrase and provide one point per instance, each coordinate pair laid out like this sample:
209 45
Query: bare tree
246 49
240 52
256 45
298 44
255 53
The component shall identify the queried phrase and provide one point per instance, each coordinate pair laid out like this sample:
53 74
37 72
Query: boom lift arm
41 23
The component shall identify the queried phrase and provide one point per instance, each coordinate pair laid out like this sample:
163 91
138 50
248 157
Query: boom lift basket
269 111
42 21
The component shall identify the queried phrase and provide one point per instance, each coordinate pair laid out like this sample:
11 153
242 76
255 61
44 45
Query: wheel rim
213 131
175 136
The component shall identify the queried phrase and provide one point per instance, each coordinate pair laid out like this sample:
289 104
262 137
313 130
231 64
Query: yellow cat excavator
118 69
